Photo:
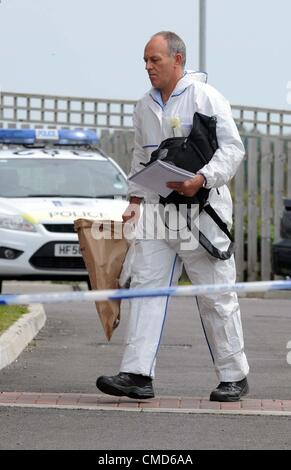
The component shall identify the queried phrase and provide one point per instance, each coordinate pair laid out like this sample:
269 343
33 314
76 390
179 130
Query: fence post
129 148
279 163
119 149
105 143
1 107
289 170
266 161
239 225
252 207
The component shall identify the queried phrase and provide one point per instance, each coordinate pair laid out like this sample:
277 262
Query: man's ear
178 59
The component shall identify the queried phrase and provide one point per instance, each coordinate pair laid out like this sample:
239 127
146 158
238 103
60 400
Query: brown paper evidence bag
104 249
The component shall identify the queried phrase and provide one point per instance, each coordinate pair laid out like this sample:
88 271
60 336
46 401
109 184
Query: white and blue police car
49 178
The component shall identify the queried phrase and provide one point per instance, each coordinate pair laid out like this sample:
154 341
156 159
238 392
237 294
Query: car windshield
39 177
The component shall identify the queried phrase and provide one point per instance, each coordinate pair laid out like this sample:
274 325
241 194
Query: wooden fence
258 188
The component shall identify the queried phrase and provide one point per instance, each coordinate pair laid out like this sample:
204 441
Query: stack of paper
156 176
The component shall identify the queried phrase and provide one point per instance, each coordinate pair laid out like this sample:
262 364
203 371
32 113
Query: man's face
161 67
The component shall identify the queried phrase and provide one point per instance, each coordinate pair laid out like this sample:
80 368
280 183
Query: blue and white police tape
119 294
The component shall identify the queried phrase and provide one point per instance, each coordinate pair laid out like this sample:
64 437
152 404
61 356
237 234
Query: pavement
20 334
55 377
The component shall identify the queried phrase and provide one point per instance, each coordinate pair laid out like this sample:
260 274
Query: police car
49 178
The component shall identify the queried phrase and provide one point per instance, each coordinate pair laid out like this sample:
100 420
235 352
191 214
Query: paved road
71 351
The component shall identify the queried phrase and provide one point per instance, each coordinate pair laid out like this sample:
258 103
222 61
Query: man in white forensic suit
176 95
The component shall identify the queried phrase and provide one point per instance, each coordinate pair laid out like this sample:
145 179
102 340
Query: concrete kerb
20 334
273 295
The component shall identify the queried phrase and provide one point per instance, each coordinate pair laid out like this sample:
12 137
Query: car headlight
16 222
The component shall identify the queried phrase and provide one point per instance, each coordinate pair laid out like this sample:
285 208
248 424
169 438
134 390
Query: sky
94 48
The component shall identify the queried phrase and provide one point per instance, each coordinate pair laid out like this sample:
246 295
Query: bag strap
222 225
211 249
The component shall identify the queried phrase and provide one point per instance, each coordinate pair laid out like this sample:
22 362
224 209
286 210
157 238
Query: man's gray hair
175 43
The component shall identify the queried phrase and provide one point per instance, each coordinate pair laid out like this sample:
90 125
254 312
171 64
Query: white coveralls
157 263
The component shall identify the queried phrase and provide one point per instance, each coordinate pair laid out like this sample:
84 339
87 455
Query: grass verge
10 314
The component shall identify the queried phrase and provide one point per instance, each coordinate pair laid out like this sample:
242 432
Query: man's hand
189 187
132 212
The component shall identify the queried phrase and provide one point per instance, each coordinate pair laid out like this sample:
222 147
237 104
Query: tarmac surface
49 399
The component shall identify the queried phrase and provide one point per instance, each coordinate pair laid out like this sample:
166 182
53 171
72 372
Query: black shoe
230 391
125 384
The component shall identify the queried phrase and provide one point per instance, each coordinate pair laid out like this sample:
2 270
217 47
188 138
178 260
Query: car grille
60 228
44 259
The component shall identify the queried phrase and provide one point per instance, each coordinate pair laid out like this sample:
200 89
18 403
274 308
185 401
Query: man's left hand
189 187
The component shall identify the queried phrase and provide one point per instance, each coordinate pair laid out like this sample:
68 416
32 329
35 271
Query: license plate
67 249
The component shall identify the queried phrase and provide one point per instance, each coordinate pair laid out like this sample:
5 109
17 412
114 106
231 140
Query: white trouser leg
220 313
155 264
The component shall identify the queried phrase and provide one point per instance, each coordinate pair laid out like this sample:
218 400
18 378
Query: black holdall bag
192 153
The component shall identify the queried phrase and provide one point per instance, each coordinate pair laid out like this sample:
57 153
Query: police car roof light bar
53 136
